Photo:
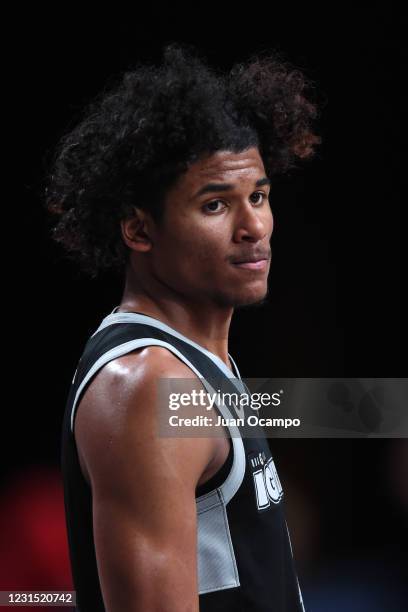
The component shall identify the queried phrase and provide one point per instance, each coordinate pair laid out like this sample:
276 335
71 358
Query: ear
136 231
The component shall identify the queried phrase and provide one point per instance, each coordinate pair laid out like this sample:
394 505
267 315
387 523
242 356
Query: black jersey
244 555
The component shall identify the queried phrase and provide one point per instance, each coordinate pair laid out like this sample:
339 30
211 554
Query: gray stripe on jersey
217 567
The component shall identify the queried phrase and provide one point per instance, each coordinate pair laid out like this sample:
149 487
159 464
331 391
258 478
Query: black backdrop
336 303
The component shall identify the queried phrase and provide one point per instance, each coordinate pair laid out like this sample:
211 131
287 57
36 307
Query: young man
167 179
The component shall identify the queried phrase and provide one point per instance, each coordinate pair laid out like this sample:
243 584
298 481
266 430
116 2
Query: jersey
244 553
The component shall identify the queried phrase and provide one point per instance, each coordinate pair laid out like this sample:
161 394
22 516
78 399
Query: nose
253 224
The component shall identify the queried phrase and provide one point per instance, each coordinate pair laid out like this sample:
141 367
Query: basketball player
167 180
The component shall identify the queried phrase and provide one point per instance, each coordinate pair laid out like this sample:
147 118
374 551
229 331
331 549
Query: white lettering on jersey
267 484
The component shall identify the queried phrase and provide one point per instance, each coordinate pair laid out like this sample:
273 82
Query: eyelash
264 197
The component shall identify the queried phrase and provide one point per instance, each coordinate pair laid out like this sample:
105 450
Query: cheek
199 237
186 247
204 252
193 250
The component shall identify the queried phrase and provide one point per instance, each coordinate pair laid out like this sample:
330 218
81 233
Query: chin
249 297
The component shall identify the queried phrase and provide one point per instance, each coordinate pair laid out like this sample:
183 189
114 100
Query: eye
259 193
209 206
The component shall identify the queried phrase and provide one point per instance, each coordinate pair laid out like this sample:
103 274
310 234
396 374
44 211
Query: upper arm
143 487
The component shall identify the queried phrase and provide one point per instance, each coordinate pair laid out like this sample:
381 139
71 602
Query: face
213 243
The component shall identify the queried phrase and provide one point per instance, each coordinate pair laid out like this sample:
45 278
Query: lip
260 264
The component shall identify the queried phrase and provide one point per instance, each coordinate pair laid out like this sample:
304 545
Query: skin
182 272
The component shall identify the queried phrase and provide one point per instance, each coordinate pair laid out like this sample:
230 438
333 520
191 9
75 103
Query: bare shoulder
128 376
116 420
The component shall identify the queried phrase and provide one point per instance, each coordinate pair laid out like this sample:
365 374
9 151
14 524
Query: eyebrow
211 187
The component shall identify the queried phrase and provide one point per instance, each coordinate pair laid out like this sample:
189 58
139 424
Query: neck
207 324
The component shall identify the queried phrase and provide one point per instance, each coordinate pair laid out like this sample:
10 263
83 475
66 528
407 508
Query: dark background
336 304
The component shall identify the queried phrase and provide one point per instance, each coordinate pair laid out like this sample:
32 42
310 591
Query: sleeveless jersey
244 553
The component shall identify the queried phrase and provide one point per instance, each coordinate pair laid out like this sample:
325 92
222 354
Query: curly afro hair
135 140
